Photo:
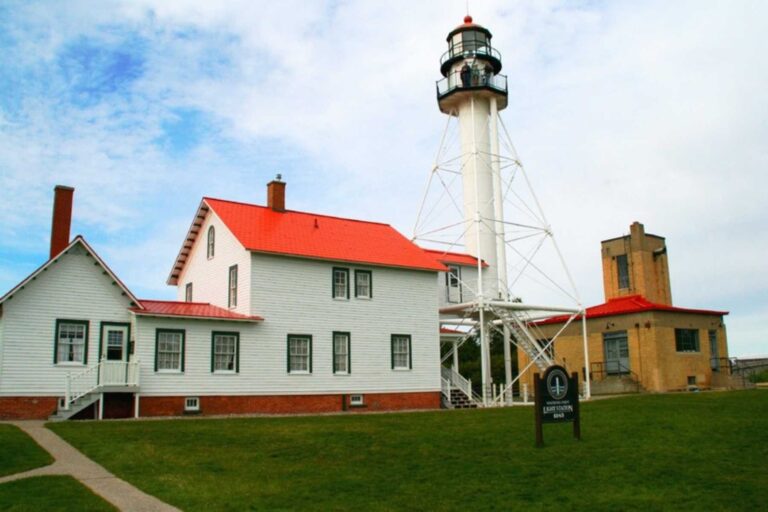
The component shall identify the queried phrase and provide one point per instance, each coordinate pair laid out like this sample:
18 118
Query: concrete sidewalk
69 461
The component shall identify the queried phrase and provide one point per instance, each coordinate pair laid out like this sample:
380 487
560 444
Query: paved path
69 461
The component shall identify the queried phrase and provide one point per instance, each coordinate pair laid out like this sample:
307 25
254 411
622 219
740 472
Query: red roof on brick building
628 305
167 308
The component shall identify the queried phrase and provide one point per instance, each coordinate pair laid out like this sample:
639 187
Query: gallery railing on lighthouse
476 79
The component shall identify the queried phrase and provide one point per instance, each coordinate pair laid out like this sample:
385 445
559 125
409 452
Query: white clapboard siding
210 277
294 296
75 288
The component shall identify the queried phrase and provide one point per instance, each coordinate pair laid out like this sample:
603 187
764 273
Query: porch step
460 401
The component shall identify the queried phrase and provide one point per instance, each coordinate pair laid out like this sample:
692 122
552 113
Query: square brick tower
636 264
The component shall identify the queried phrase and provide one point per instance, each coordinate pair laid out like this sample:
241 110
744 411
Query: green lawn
693 451
18 452
49 493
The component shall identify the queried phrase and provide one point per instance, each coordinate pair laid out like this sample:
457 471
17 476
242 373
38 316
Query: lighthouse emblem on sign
557 384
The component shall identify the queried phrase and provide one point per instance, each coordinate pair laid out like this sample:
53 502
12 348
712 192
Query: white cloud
621 111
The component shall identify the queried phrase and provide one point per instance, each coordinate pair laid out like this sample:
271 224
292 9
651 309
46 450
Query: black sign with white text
557 400
559 396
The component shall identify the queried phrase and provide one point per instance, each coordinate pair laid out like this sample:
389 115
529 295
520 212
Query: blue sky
652 111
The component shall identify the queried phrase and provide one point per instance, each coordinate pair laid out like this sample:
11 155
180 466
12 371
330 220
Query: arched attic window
211 242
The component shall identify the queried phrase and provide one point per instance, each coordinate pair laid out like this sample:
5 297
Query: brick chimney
276 194
62 218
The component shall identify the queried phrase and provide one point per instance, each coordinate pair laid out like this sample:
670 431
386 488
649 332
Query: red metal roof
630 304
457 258
167 308
309 235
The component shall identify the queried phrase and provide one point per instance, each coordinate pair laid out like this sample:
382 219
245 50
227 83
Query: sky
654 111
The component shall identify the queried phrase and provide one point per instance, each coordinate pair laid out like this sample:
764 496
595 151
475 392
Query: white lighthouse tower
474 92
478 175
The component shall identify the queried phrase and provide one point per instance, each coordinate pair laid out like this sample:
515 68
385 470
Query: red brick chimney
62 218
276 194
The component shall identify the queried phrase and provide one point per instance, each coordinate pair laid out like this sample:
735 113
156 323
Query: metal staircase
523 338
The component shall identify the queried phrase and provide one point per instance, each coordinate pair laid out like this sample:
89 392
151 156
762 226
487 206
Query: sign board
556 400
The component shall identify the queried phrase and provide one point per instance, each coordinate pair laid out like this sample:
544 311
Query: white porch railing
445 387
105 373
455 380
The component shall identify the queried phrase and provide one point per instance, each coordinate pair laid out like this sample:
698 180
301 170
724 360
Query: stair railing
457 381
524 339
79 384
105 373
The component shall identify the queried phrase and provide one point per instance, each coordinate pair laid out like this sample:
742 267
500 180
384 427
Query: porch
88 387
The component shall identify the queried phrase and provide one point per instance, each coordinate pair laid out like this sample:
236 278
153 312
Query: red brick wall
287 404
27 407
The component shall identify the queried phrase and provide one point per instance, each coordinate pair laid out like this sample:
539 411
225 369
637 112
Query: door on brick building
616 353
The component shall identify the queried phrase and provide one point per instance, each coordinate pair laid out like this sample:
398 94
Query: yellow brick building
637 340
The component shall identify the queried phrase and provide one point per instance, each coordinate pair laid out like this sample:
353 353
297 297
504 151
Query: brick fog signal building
638 340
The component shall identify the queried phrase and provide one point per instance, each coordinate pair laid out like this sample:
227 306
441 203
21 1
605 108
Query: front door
616 353
114 342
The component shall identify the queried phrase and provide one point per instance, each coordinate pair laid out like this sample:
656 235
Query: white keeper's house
277 311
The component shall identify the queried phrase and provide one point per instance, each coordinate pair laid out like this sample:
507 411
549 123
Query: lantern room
471 65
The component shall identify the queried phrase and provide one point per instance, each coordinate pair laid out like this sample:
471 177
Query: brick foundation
27 407
289 404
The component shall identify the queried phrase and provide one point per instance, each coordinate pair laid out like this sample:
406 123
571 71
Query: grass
18 452
49 493
691 451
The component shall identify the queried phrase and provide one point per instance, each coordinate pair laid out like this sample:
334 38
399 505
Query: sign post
556 400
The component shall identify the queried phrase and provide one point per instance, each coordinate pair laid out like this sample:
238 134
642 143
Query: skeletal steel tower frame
479 198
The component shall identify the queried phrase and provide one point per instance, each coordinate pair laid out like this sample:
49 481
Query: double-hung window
340 284
225 352
71 342
169 350
341 358
363 284
687 340
211 242
232 287
401 352
188 292
299 353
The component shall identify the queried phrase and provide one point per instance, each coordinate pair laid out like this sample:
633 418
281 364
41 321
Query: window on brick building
622 264
687 340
